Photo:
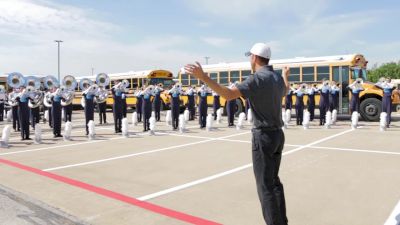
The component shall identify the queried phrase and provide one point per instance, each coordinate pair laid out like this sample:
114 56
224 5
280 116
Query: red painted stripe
114 195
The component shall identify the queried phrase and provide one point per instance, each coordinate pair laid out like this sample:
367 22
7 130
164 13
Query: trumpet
382 80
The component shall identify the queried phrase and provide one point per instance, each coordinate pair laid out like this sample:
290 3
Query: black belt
265 129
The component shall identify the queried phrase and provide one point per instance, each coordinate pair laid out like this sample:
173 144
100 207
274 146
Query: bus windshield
167 82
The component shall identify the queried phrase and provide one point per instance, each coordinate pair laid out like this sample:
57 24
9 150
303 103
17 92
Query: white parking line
358 150
137 154
394 218
237 169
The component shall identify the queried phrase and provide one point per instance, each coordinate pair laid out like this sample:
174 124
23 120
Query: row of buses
343 69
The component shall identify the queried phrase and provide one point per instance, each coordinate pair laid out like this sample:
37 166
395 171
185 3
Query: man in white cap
264 90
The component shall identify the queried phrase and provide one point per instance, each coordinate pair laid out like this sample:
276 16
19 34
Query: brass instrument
15 80
51 82
358 83
102 80
68 90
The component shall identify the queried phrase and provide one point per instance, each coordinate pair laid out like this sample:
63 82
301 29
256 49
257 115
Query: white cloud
217 41
29 28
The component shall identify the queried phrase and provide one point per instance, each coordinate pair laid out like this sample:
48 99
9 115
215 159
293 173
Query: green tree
391 70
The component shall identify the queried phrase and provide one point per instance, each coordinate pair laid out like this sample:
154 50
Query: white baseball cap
260 49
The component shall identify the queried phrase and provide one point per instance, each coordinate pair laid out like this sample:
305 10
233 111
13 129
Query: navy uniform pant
139 102
102 112
157 107
56 114
117 113
15 118
191 107
35 116
216 106
68 113
89 112
202 113
124 108
50 117
231 107
146 110
175 113
311 106
299 110
1 111
323 108
355 103
23 112
387 106
288 102
267 146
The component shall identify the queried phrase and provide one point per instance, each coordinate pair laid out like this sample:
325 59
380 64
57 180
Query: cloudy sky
124 35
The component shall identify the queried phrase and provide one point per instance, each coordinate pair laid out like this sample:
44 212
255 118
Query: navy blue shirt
265 90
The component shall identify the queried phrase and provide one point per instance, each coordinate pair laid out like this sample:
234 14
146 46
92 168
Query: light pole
58 43
92 71
207 57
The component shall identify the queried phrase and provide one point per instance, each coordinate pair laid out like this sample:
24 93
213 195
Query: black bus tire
370 109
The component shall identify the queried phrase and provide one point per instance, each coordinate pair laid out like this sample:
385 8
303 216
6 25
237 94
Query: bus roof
283 62
131 74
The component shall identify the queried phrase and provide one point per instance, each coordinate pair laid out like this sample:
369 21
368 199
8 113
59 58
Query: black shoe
59 135
28 138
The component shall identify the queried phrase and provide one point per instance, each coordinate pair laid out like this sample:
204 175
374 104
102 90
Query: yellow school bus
343 69
136 79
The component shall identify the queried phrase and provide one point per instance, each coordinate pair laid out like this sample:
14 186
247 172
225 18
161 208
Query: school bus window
245 74
294 74
214 76
234 76
278 71
308 73
336 73
135 83
322 73
223 78
194 81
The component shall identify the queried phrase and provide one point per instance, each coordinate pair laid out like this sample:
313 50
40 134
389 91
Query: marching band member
356 88
124 104
334 102
230 108
311 101
48 106
56 111
191 102
88 95
117 106
3 97
216 103
146 107
157 100
14 108
203 93
175 94
387 88
300 92
139 103
323 101
23 113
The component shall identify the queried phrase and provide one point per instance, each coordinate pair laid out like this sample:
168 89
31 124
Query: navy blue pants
157 106
216 106
191 107
68 113
387 106
15 117
89 112
23 112
203 112
334 103
323 107
102 112
146 110
124 107
175 112
311 106
299 110
35 116
1 111
56 114
288 102
117 113
231 109
267 146
139 102
355 103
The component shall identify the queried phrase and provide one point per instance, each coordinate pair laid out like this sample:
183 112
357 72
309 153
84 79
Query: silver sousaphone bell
15 80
